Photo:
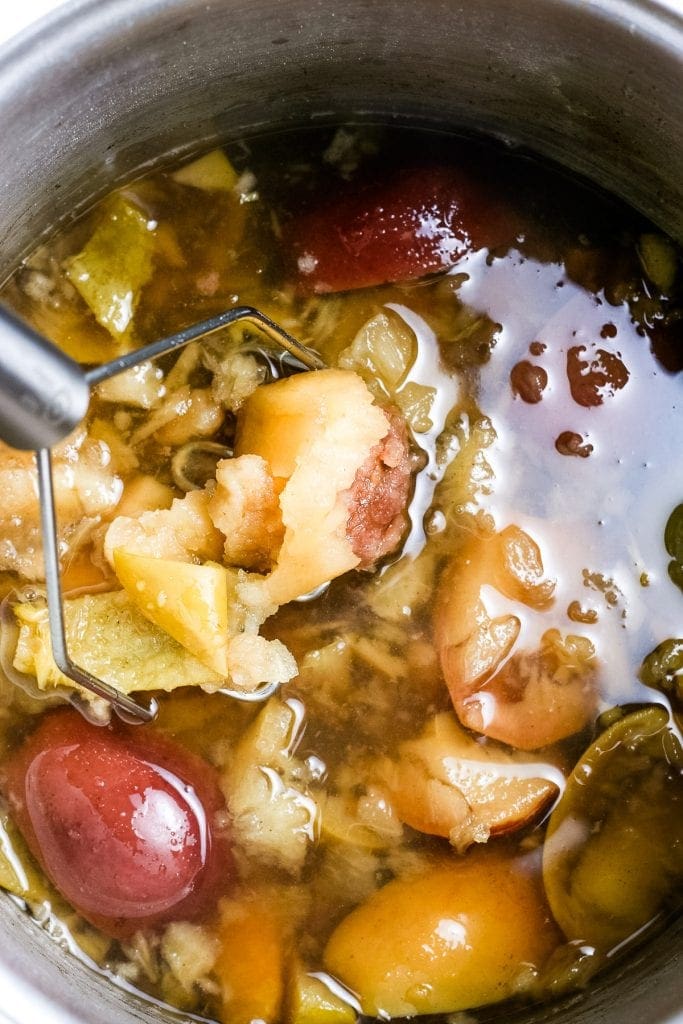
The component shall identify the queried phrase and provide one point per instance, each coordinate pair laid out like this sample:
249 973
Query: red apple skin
413 222
122 821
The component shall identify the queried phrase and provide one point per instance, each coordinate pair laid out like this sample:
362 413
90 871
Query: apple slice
250 967
446 783
315 431
189 602
527 698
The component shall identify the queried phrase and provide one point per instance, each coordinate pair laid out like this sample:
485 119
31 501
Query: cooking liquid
592 481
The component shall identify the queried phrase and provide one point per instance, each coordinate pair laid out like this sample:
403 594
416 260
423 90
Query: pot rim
81 17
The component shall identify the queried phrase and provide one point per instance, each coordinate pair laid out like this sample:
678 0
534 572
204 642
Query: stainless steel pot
93 93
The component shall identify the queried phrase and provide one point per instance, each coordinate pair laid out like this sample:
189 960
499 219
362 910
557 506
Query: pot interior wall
107 86
103 88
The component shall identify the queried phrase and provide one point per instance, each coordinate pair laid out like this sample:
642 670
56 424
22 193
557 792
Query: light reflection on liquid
428 372
606 513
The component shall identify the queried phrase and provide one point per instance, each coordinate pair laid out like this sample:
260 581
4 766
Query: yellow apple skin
189 602
459 936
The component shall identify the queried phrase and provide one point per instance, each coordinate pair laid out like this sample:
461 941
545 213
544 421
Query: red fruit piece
121 820
417 221
379 495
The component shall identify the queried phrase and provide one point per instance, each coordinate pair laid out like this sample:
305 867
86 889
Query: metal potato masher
44 395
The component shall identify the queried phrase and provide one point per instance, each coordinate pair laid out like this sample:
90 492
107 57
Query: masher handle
43 393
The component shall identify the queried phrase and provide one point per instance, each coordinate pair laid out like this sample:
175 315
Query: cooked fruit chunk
527 699
447 784
87 488
109 637
275 818
206 609
142 494
212 172
189 602
367 821
614 849
316 431
245 507
115 264
413 222
182 533
311 1001
250 966
18 874
190 950
280 421
112 639
141 387
456 937
121 822
537 697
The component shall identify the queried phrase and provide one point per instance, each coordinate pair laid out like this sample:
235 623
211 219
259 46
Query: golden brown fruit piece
614 849
311 1001
445 783
316 432
245 507
250 966
461 935
527 699
538 697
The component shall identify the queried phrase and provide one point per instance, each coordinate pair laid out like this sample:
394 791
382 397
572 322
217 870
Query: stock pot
94 93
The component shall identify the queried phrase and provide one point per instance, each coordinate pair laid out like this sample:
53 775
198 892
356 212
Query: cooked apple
458 936
315 431
182 533
527 699
244 506
189 602
446 783
612 857
311 1001
274 815
209 610
107 634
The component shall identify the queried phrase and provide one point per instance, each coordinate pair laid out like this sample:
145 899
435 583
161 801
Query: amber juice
539 380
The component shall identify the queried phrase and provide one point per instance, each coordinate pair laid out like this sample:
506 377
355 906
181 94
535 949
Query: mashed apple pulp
447 549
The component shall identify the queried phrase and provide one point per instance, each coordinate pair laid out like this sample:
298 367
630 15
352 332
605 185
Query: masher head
46 395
